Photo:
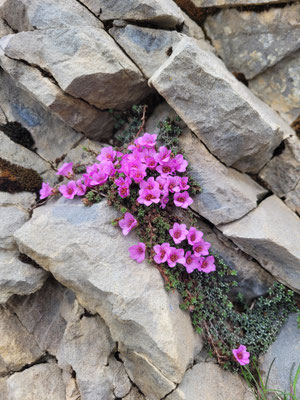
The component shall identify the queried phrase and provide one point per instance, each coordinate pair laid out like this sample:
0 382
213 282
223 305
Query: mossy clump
14 178
17 133
296 125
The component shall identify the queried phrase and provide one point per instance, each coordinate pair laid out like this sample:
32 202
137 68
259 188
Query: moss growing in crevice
17 133
14 178
296 125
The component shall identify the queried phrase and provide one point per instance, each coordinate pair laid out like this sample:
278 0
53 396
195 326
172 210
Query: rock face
236 126
270 234
279 86
230 3
97 80
286 351
249 42
130 297
4 29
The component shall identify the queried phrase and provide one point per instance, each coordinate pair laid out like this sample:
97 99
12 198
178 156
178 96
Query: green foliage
130 120
169 132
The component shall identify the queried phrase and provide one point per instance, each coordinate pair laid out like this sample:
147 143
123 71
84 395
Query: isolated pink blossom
81 188
207 264
137 252
69 190
175 256
127 223
46 190
201 248
65 170
162 252
178 232
241 355
194 236
182 200
191 262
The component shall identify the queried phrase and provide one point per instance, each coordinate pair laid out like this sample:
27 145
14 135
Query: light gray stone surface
17 277
79 156
85 62
249 42
133 395
130 297
233 3
226 194
12 218
23 200
24 15
39 382
279 86
208 381
286 351
270 234
237 127
293 199
4 28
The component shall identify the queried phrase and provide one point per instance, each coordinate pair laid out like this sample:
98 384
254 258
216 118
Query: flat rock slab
249 42
87 254
270 234
24 15
286 351
237 127
85 62
227 194
231 3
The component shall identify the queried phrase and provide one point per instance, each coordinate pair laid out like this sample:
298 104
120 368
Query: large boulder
237 127
270 234
87 254
84 61
249 42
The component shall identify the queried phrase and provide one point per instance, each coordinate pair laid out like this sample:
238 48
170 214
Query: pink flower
148 197
201 248
137 252
146 140
194 236
127 223
123 191
162 252
162 184
138 174
191 262
150 184
178 232
206 264
180 163
81 188
107 154
98 178
163 155
165 169
66 170
69 190
175 256
241 355
182 200
184 183
164 201
46 190
123 182
173 183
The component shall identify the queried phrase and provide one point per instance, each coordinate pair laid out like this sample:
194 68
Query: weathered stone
286 352
72 392
236 126
230 3
249 42
270 234
52 137
133 395
162 13
282 173
226 194
191 28
81 156
279 86
24 15
22 200
40 382
17 277
208 381
4 28
85 62
160 114
74 112
17 346
64 238
12 218
293 199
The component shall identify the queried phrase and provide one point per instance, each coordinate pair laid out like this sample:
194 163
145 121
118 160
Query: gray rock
237 127
85 62
17 347
52 137
3 389
81 156
208 381
293 199
24 15
270 234
4 28
163 13
226 194
249 42
12 218
74 112
130 297
17 277
160 114
191 28
40 382
133 395
230 3
286 351
23 200
279 86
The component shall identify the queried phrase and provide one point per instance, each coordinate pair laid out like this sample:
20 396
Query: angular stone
74 112
237 127
24 15
22 200
4 28
42 382
130 297
17 346
80 156
12 218
3 389
208 381
249 42
191 28
279 86
133 395
293 199
17 277
85 62
270 234
160 114
230 3
226 194
163 13
52 137
285 350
